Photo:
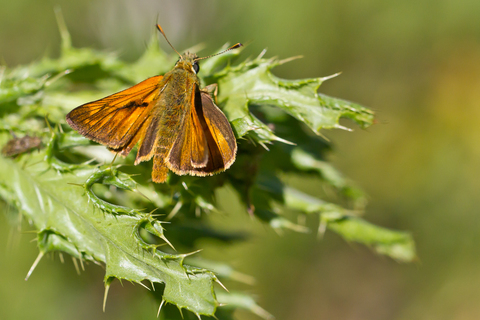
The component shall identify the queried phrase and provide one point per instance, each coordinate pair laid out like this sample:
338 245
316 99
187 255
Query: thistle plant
81 204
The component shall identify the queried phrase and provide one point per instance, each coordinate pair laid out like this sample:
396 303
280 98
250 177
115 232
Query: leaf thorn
76 265
160 308
338 126
81 263
140 283
190 253
260 56
322 227
76 184
330 76
168 242
181 312
221 284
175 210
107 287
34 265
290 59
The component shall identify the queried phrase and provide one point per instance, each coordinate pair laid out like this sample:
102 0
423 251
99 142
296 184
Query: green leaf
308 162
238 300
252 83
66 221
12 89
396 244
222 270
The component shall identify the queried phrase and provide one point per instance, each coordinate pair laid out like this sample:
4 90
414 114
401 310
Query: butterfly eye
196 67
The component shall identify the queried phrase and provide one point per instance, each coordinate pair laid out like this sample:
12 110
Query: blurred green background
415 63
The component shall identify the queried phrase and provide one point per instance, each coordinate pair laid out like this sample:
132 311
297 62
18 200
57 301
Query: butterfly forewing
139 137
116 120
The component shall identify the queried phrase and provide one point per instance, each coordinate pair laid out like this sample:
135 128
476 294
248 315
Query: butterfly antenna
235 46
161 30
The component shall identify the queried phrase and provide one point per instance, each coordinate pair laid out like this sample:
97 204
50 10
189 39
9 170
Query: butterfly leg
212 90
114 158
160 171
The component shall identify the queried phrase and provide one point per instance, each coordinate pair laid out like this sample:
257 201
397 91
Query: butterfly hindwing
189 151
198 142
222 145
206 144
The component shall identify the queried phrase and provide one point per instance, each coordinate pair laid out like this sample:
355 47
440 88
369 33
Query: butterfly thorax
176 98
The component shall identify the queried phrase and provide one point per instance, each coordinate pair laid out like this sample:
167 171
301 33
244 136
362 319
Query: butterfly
169 117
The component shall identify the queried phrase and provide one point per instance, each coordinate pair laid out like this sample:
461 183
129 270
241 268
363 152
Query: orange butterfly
170 119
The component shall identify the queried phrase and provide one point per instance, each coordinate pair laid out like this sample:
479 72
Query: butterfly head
189 62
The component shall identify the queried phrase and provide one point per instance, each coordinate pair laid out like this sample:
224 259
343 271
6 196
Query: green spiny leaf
79 229
396 244
252 83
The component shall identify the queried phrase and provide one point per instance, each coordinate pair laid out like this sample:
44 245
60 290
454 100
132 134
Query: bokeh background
415 63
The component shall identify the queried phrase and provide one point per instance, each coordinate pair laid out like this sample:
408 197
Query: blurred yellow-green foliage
416 63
